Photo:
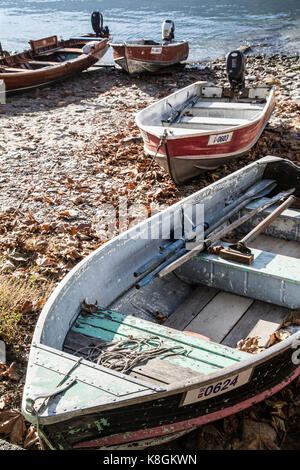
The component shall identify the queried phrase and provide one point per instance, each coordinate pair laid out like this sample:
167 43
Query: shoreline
69 148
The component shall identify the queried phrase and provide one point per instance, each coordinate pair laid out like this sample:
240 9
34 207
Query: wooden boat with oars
203 126
49 60
145 55
154 333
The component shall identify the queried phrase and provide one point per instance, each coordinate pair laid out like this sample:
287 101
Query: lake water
212 27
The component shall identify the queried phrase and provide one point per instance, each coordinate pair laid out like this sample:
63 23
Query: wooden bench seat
201 356
272 278
71 50
215 121
228 105
42 62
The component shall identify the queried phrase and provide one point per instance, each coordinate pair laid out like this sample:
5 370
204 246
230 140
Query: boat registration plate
213 389
156 50
220 138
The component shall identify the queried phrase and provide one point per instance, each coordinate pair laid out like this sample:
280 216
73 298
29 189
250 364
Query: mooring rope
125 354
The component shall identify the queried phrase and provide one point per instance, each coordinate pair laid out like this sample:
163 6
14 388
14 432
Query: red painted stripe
188 424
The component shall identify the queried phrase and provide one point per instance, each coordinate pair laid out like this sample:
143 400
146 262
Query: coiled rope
125 354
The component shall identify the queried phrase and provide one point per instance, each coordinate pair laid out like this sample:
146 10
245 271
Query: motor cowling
235 68
97 24
168 29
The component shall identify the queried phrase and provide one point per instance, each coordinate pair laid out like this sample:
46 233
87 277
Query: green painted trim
202 356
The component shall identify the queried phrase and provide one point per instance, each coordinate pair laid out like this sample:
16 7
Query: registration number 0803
219 138
217 388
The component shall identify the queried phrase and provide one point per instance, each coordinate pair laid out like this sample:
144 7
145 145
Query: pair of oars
229 228
258 190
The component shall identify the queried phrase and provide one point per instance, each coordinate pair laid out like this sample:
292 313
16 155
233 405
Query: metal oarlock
239 251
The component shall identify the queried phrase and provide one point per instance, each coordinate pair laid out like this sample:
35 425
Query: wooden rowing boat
49 60
203 126
140 56
186 325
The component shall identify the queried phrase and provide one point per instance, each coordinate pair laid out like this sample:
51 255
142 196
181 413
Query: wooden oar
229 228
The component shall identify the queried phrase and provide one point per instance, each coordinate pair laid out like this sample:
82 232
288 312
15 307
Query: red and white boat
203 126
145 55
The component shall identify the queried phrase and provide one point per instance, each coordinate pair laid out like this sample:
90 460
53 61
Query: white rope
125 354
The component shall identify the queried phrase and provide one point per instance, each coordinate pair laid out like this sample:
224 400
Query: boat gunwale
127 45
172 389
145 127
187 384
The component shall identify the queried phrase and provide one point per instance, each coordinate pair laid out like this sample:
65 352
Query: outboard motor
235 68
97 24
167 33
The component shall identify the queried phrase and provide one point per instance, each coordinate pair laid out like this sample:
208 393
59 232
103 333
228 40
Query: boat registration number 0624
220 138
216 388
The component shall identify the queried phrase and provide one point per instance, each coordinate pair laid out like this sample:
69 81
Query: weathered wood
201 355
162 372
78 344
70 50
220 315
272 278
263 330
257 311
185 313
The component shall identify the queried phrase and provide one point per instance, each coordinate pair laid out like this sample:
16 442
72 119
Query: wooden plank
13 69
170 334
71 50
220 315
263 330
185 313
257 311
204 364
272 278
200 355
162 372
77 343
216 121
161 295
42 62
228 105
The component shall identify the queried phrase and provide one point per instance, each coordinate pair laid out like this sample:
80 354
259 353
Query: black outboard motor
167 31
235 68
97 24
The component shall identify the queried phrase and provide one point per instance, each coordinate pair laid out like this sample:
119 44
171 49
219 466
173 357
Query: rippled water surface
212 27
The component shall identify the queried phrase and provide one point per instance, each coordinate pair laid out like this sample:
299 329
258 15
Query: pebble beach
69 148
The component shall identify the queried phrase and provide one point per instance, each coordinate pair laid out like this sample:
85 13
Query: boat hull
191 152
40 77
143 421
92 406
137 59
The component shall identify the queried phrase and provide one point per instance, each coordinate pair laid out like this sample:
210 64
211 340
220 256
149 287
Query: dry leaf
277 337
159 316
26 307
250 345
10 372
12 423
31 438
89 308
